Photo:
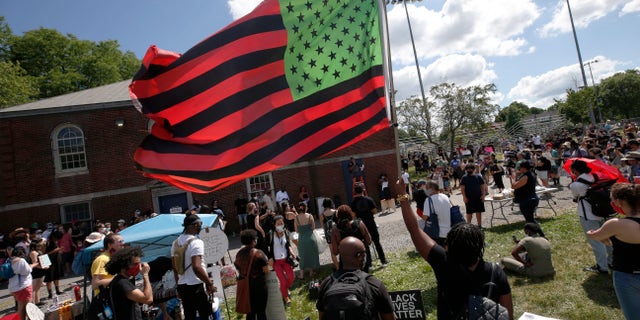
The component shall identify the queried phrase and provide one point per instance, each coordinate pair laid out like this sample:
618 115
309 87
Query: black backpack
599 196
351 230
348 297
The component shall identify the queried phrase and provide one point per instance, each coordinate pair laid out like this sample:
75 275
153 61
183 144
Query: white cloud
463 70
631 7
540 90
584 13
239 8
485 27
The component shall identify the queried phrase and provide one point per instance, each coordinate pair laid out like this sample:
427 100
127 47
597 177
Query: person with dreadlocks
459 266
349 226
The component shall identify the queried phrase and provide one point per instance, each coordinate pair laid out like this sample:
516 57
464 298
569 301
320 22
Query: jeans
528 209
602 252
627 288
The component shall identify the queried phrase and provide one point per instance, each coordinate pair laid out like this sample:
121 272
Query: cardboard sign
408 304
216 244
275 307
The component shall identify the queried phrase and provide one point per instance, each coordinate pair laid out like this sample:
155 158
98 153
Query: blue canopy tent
154 236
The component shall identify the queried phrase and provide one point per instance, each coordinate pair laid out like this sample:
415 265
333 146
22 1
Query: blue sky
525 47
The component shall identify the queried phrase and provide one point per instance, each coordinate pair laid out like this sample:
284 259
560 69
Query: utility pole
584 76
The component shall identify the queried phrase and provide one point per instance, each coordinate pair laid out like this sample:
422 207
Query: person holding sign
460 269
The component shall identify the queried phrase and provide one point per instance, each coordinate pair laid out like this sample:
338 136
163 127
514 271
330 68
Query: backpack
599 196
328 226
6 270
178 256
352 230
482 307
348 297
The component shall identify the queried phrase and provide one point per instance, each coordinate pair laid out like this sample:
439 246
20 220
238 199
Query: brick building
71 158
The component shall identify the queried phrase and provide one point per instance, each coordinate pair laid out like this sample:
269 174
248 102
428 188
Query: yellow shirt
97 266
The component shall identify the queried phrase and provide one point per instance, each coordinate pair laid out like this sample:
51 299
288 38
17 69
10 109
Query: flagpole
390 93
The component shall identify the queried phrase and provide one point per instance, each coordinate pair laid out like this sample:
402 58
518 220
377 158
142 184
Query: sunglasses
360 254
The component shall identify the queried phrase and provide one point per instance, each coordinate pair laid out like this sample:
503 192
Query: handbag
456 215
320 242
243 299
431 226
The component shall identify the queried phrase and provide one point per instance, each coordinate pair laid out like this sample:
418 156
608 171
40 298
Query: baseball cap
191 220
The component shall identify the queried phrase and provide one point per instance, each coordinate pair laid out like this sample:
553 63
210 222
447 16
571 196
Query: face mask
428 192
280 228
133 271
616 208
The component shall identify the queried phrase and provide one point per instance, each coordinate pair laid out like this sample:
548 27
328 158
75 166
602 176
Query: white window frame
66 206
60 172
258 184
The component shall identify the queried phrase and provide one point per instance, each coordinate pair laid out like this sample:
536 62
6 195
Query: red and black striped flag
293 80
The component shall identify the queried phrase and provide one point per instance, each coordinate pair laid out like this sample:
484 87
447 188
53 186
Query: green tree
449 109
16 87
512 114
415 117
60 64
576 107
619 95
5 39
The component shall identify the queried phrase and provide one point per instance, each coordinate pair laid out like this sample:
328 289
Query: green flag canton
329 41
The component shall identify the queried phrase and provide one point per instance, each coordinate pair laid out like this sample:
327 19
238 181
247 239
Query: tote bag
243 299
431 226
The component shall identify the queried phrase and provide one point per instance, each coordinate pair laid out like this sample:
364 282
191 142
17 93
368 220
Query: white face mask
280 228
428 192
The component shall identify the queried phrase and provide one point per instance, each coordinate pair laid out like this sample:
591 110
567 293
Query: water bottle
76 292
55 300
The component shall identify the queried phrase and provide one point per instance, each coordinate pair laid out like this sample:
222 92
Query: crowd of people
278 235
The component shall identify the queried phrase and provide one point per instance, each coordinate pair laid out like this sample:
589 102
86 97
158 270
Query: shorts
543 174
24 294
473 206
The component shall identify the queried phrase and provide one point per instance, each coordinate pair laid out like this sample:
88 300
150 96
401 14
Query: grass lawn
570 294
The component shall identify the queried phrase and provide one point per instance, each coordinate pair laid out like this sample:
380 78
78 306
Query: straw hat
94 237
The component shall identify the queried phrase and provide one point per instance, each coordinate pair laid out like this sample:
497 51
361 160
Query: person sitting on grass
531 255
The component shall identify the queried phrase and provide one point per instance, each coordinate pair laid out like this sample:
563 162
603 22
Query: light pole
584 76
415 56
595 89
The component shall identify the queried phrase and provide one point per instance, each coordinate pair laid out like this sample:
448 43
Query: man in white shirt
194 285
588 220
439 203
267 201
282 199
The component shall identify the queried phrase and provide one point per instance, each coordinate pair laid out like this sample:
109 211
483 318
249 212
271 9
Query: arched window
69 150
